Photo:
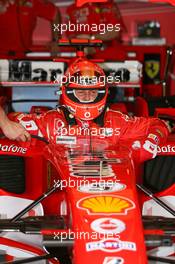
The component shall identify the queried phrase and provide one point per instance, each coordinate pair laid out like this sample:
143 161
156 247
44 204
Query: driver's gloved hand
147 148
151 148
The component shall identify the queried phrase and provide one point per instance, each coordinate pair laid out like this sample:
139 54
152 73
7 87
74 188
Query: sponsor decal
106 204
154 137
136 144
31 71
111 245
166 149
102 187
66 140
160 132
87 114
116 70
150 147
29 125
113 260
13 148
58 125
108 226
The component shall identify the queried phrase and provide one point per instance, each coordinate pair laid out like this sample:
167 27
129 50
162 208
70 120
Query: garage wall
132 12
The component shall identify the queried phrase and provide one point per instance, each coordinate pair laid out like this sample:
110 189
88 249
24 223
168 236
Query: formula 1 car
85 204
93 208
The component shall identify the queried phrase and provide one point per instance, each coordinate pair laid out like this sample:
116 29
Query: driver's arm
150 132
11 129
141 127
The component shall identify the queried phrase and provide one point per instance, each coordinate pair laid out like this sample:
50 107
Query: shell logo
105 204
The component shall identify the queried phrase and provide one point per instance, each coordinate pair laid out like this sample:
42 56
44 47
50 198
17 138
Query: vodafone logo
58 123
108 225
87 114
13 149
113 260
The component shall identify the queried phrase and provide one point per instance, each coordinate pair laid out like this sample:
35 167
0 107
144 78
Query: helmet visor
86 96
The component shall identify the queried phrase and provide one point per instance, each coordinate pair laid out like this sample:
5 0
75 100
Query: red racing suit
60 127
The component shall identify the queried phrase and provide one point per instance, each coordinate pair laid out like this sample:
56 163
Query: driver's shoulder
110 113
53 114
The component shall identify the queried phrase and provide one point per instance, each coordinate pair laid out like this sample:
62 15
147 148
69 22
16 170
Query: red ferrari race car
85 200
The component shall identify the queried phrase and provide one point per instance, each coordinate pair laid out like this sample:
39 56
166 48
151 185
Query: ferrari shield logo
152 68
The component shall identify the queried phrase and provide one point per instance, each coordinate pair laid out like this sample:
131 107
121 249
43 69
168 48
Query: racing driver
84 106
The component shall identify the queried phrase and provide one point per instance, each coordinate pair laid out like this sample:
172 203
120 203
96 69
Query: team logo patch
113 260
102 187
108 226
152 68
106 204
111 245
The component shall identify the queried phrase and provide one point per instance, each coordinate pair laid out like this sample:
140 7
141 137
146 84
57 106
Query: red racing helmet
84 92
